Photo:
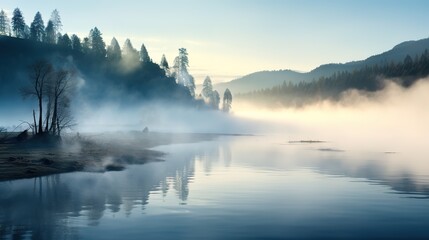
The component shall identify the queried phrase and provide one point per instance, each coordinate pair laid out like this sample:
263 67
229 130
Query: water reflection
376 171
404 173
61 206
47 207
31 209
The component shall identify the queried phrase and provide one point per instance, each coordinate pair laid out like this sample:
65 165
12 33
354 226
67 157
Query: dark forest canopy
369 79
100 76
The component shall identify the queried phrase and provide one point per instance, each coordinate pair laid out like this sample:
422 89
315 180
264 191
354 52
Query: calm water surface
229 188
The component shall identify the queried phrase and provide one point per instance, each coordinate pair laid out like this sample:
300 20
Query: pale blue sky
229 38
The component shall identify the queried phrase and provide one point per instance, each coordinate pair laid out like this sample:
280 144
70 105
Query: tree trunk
48 115
35 124
58 127
40 115
54 122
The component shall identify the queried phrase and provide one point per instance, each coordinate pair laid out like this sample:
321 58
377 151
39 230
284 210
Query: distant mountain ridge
259 80
268 79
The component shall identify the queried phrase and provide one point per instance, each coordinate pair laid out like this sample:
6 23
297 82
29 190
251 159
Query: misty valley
99 140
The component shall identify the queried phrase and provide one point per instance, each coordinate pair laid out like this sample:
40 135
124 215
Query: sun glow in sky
230 38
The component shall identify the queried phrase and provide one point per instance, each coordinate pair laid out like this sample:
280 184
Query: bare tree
52 88
62 85
40 72
65 118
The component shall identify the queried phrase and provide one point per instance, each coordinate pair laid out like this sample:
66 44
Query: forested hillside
269 79
369 78
101 71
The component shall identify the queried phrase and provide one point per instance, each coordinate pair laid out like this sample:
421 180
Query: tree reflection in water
50 207
58 206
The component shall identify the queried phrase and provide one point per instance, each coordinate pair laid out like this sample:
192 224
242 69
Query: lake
233 187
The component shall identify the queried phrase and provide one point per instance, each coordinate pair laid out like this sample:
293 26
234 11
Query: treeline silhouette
369 79
107 72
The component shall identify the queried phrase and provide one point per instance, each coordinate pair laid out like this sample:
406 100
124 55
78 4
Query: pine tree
86 45
65 41
114 51
163 64
175 68
207 88
50 33
227 101
181 64
190 84
129 53
4 23
75 43
37 29
215 100
144 55
128 49
56 21
18 24
27 32
98 47
183 59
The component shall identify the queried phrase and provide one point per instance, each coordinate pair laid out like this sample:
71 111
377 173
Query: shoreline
89 152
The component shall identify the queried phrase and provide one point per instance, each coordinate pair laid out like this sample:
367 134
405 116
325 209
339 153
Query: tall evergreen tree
27 32
56 21
50 33
183 59
215 100
129 52
114 51
4 23
227 101
75 43
98 47
37 29
207 90
65 41
163 64
18 24
191 85
144 55
128 49
176 67
86 45
181 71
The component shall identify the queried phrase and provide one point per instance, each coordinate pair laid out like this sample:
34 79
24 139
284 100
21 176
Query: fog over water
391 125
394 119
393 122
371 165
